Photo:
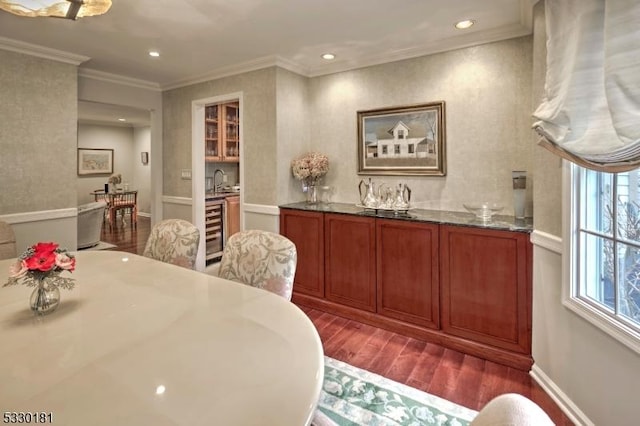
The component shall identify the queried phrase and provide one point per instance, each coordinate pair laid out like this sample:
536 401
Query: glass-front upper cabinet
222 132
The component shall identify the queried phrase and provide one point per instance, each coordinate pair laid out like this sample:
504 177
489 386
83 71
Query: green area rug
352 396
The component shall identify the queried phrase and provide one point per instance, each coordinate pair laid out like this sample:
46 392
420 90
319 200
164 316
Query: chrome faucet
217 186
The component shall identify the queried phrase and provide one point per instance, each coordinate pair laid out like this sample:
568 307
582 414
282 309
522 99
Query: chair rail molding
547 241
38 216
262 209
170 199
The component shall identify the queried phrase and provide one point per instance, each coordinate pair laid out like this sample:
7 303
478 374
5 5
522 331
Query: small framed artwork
405 140
144 157
95 161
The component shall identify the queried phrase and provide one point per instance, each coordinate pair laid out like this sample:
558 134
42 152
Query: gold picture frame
403 141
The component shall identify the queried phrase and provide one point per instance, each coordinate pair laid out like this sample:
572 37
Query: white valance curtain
590 113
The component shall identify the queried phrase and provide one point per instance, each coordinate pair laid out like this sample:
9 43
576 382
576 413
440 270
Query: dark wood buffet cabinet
457 283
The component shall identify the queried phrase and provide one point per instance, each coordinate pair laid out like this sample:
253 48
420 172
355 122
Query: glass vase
45 298
312 194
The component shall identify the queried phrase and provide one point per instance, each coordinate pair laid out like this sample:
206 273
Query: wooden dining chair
123 202
7 241
173 241
260 259
100 195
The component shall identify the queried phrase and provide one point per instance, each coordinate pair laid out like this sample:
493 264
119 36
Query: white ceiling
204 39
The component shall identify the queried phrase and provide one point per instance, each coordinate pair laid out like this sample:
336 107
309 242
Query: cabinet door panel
408 271
350 257
306 230
486 286
232 215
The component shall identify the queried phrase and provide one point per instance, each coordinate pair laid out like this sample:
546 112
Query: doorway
126 132
209 163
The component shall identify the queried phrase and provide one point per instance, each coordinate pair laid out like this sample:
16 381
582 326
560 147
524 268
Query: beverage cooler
214 229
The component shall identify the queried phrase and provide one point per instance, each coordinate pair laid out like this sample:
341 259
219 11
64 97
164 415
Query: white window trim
625 335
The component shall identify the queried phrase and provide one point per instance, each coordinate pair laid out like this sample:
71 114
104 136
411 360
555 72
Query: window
396 149
605 246
411 148
384 149
401 134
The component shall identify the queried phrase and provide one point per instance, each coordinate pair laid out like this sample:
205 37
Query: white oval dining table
140 342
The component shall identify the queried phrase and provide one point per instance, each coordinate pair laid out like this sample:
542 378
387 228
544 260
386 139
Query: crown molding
526 13
523 28
292 66
454 43
41 51
253 65
118 79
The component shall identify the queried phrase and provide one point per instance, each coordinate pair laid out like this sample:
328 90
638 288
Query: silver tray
383 209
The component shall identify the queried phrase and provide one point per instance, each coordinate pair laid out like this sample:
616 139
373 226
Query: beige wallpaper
487 91
38 134
547 194
259 133
292 105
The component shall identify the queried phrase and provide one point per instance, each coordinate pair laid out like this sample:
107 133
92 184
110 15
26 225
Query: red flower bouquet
40 266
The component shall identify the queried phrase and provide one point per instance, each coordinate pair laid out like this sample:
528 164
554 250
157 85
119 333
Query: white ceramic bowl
483 210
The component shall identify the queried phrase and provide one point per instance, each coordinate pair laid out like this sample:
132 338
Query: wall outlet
186 174
225 178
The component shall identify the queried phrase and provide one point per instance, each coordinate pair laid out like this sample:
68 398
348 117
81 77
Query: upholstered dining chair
260 259
173 241
7 241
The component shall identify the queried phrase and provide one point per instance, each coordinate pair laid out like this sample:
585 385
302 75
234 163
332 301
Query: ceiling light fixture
154 53
328 56
70 9
463 25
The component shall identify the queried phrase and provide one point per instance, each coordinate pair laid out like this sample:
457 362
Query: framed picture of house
95 161
407 140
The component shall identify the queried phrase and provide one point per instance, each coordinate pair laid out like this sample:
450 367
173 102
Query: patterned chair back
7 241
173 241
260 259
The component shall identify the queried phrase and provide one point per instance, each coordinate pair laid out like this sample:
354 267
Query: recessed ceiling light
463 25
122 119
328 56
154 53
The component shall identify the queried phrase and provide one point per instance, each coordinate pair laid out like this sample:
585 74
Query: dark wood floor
463 379
127 237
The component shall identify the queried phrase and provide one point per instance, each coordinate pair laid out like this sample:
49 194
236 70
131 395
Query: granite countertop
500 222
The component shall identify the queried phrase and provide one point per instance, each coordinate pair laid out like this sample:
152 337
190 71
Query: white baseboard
38 216
564 402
